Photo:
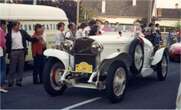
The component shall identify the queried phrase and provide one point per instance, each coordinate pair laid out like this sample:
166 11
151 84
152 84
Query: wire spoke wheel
119 82
55 76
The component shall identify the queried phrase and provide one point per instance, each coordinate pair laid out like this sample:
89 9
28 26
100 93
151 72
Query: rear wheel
162 68
137 54
52 72
116 82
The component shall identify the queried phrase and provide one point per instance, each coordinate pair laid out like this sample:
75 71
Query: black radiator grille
82 46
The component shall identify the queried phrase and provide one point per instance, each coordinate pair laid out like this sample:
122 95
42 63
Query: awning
169 23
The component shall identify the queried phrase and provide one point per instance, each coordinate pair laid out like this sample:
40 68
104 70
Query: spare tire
136 52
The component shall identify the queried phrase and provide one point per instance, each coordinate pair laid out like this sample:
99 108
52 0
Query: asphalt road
142 93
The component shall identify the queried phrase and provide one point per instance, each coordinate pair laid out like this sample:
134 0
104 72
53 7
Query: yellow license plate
83 67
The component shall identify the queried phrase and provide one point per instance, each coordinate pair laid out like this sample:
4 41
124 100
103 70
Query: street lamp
150 4
78 11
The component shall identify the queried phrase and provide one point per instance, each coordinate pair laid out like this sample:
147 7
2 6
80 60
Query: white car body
102 62
113 45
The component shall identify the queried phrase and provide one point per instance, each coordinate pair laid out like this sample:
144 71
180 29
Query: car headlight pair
96 47
68 45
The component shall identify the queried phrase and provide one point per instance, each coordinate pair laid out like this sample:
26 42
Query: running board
84 85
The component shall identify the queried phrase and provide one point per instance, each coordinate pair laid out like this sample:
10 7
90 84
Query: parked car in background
175 52
103 62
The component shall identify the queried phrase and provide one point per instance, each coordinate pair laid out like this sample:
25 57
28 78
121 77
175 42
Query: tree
178 25
85 13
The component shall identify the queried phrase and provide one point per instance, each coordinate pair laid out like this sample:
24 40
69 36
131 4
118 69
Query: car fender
114 57
60 55
158 56
125 57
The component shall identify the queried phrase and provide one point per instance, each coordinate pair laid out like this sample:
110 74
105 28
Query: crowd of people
13 43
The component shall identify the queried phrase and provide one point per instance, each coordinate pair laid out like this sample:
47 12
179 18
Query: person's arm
28 37
44 37
57 41
78 34
68 35
8 43
44 41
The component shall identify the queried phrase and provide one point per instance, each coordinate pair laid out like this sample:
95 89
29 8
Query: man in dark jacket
16 49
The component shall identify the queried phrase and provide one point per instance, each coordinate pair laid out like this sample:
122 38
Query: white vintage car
103 62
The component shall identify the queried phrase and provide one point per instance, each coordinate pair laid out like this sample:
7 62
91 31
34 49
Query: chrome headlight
96 47
68 45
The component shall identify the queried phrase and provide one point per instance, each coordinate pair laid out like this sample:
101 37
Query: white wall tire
52 72
116 82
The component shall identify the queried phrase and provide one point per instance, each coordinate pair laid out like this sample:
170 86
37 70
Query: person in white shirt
60 36
81 31
17 49
71 34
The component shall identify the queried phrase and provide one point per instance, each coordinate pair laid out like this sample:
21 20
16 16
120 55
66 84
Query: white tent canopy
30 12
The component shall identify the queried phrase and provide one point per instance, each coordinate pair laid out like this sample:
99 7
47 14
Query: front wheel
162 68
52 72
116 82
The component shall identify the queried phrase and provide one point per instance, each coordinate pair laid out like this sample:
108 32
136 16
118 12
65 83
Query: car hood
114 37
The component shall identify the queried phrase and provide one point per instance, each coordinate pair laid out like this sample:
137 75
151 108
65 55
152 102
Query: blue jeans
2 70
39 61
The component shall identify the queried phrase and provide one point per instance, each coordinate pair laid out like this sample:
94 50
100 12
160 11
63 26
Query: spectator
60 36
107 27
81 31
178 35
149 33
94 28
157 28
17 49
37 51
100 24
120 33
170 39
2 57
70 35
157 38
116 27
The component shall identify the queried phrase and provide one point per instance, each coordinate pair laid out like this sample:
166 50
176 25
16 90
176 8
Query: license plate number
83 67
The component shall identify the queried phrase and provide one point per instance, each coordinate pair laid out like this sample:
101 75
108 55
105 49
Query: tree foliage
85 14
178 25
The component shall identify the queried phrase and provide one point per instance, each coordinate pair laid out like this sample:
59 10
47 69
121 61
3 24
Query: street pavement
142 93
